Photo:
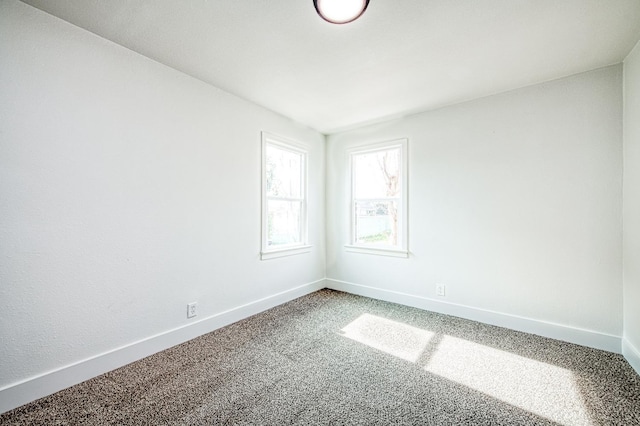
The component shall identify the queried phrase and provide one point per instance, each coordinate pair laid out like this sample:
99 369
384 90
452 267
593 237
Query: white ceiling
401 57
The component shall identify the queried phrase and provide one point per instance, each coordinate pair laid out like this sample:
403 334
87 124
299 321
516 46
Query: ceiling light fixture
340 11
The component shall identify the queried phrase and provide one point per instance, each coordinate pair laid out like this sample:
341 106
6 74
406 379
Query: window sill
283 252
378 251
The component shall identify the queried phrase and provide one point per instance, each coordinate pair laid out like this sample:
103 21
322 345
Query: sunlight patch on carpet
543 389
392 337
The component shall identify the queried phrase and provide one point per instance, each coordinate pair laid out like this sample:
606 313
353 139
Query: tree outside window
379 196
284 195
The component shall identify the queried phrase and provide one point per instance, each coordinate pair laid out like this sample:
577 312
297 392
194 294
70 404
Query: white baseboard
565 333
632 354
28 390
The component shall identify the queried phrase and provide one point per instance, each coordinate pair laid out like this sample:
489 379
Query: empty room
418 212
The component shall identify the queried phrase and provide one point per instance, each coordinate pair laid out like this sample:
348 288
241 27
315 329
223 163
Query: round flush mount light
340 11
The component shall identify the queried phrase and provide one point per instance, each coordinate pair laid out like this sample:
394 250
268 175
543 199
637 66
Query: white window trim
283 252
290 249
402 250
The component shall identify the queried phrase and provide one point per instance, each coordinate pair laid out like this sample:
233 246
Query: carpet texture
335 358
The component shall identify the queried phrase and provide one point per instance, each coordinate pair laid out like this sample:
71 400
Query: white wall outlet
441 290
192 309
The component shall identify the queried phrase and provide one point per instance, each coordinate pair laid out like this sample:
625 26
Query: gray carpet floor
335 358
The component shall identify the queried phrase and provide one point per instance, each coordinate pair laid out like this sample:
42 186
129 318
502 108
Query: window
379 199
284 209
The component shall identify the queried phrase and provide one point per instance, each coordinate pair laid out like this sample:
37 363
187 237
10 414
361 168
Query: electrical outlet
441 290
192 309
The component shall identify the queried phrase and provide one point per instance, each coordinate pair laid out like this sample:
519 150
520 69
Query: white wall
631 239
515 205
127 190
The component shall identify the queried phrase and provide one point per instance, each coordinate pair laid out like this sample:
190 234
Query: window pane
283 173
283 222
377 223
377 174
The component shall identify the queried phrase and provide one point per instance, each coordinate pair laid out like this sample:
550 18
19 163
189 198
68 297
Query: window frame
402 248
269 139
